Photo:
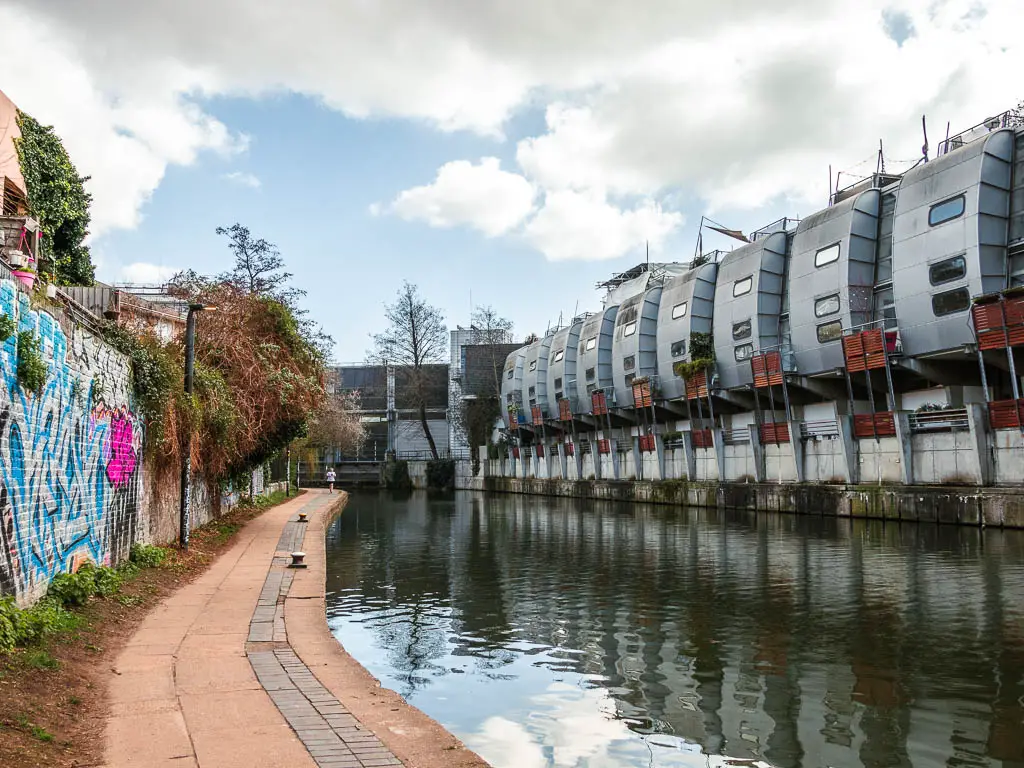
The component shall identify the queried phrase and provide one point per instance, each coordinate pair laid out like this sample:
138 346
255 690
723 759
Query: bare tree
491 331
335 425
259 268
416 338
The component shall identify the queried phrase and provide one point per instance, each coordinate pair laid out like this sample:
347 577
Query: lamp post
186 465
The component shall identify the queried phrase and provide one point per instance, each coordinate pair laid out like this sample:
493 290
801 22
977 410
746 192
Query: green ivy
31 366
147 556
7 327
702 347
57 197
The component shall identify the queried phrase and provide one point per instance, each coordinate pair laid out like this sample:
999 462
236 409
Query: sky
492 153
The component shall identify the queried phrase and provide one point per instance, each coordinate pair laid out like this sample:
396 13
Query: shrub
396 476
147 556
73 588
31 366
7 327
20 627
441 474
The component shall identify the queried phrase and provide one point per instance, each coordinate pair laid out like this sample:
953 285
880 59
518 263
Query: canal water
557 632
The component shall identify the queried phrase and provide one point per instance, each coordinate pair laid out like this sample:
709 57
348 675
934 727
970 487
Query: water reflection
554 632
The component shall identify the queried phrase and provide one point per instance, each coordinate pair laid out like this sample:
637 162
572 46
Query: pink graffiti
121 452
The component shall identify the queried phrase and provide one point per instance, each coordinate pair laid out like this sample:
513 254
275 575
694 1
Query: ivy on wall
57 197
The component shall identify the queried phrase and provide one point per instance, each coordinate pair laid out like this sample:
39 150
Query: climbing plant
31 370
57 197
7 327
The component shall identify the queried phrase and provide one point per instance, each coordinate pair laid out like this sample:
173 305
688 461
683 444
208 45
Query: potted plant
16 259
26 273
51 288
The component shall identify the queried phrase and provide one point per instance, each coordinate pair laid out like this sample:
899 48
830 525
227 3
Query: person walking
331 477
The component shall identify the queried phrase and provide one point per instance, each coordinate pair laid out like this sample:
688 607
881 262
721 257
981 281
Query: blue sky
512 153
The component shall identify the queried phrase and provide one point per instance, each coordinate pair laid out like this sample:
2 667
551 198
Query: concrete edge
416 739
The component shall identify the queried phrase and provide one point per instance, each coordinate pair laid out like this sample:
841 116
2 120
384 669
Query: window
830 332
558 356
741 330
629 379
741 287
883 264
945 211
510 374
743 352
951 301
591 343
532 392
627 312
533 366
679 310
827 255
558 383
629 330
509 398
885 307
679 349
948 270
629 363
826 306
591 389
590 374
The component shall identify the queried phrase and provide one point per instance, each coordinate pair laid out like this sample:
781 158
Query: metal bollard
298 560
303 517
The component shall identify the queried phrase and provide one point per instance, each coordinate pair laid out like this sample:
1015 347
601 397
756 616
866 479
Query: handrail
948 420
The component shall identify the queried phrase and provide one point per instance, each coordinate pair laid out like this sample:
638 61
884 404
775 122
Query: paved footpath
238 668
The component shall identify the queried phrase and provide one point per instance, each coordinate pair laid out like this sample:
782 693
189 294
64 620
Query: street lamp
186 466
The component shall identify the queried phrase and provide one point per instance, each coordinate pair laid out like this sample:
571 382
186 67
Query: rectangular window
629 378
532 392
679 349
629 363
533 366
558 396
558 383
883 266
950 302
830 332
679 310
947 270
743 352
743 286
741 330
591 343
590 374
591 389
885 307
509 398
629 330
827 255
510 374
558 356
945 211
826 306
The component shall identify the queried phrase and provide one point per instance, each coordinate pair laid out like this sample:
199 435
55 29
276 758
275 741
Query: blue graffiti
69 469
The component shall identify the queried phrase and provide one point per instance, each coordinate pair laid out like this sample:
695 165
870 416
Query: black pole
186 465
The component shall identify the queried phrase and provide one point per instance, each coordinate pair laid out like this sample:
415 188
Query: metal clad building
687 307
595 355
512 384
562 369
949 241
535 376
635 343
748 306
831 280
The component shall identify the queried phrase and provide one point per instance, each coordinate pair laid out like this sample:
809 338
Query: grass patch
42 659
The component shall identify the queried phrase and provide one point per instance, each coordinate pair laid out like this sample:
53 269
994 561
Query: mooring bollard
303 517
298 560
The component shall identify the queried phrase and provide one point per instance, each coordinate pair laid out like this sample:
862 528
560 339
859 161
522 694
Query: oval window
950 302
679 349
629 329
510 374
826 306
679 310
827 255
743 286
830 332
945 211
741 330
558 356
743 352
533 366
591 343
629 363
948 270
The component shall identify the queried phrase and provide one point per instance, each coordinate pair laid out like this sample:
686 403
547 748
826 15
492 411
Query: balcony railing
1011 118
949 420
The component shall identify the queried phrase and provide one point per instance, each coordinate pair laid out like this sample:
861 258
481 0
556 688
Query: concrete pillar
659 456
638 459
902 422
796 448
485 461
758 450
613 455
981 442
718 442
562 463
849 447
689 457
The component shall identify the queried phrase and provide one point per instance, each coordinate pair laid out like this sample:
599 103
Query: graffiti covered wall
70 457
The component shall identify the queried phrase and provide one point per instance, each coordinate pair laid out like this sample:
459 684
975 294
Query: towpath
238 668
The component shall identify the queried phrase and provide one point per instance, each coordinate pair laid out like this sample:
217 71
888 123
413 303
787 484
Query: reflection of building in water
794 641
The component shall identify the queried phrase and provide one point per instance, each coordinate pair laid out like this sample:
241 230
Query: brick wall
72 485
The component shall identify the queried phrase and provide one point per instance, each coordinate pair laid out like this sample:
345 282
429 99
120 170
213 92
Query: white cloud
142 272
243 179
737 103
481 196
583 225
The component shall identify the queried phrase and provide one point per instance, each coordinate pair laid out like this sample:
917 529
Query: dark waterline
556 632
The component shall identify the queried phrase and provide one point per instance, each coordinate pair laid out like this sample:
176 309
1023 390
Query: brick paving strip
219 675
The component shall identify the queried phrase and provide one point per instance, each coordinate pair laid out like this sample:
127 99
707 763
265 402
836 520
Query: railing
781 225
950 420
736 436
814 430
457 454
1011 118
